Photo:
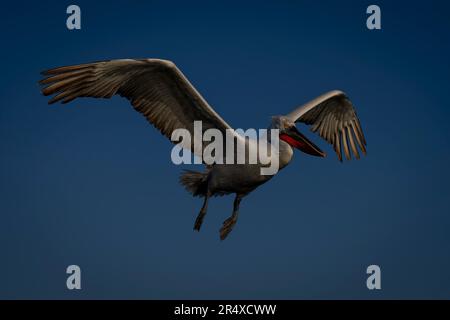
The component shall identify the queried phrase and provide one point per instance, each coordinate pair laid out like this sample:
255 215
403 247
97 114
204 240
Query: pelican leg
202 213
231 221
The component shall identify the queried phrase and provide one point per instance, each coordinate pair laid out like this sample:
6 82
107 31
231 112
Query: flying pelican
161 93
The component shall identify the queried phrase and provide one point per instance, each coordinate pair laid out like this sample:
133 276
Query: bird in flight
164 96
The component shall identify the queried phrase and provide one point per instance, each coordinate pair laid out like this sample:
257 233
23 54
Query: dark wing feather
334 118
156 88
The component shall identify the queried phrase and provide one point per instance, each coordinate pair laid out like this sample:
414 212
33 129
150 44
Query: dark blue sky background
92 184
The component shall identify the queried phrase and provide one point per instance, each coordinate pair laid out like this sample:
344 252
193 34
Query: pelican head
290 134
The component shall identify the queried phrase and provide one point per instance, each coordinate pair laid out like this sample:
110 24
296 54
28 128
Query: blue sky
92 184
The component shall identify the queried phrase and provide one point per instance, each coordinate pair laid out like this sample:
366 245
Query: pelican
164 96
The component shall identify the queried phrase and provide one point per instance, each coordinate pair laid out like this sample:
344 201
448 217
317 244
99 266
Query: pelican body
164 96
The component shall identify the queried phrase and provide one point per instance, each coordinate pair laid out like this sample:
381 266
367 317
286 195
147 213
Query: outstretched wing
156 88
333 117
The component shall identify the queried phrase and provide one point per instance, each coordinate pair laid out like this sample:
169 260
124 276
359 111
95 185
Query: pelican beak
297 140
